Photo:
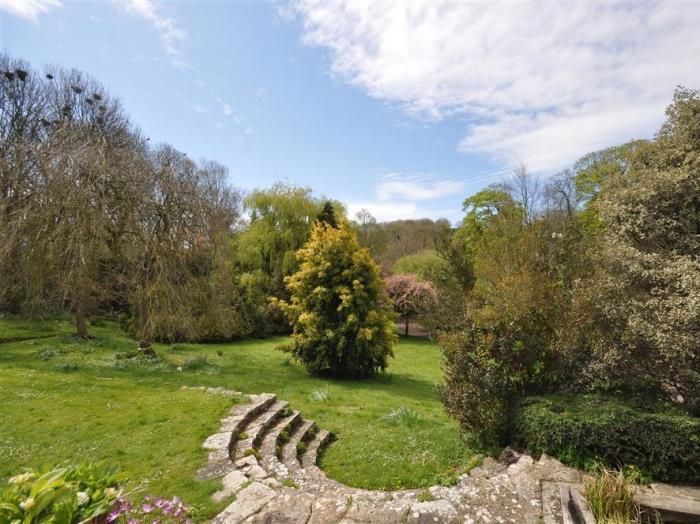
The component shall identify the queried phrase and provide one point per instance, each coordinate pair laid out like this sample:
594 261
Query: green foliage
62 495
660 441
327 215
425 496
610 497
290 483
281 219
637 316
341 318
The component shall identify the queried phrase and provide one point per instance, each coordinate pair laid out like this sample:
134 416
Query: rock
290 508
249 501
232 482
218 441
435 511
215 470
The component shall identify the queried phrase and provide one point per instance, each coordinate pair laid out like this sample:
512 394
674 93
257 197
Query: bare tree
525 189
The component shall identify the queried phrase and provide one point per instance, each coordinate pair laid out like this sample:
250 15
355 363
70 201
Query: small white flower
83 498
179 368
21 479
112 493
27 504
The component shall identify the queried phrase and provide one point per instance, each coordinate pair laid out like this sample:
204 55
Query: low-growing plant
321 395
220 352
402 416
63 495
66 366
283 436
195 363
301 448
251 452
46 353
140 361
610 497
153 509
289 483
425 496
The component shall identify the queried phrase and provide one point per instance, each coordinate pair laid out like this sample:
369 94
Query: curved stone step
271 442
221 443
290 450
315 447
252 433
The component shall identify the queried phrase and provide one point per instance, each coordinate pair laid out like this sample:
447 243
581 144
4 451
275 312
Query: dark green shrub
486 370
660 440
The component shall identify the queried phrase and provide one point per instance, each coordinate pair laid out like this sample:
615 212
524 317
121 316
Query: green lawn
68 400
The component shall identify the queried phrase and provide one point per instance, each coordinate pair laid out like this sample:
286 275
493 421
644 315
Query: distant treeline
96 220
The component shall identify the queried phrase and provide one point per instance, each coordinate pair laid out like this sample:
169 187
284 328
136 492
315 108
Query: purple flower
133 521
113 516
147 508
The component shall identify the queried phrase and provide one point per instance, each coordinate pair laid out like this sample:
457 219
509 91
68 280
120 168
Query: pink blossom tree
410 296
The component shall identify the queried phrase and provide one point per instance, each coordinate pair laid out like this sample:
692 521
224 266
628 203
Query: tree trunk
80 321
145 347
406 333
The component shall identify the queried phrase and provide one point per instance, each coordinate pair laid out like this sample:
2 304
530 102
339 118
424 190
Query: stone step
290 451
315 447
271 442
252 433
221 443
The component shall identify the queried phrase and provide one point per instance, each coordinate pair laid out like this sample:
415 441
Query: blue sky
402 108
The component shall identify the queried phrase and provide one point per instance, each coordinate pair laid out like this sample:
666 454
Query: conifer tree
343 323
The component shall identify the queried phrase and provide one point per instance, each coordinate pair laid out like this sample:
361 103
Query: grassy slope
79 402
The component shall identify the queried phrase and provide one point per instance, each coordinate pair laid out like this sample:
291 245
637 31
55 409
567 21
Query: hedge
659 439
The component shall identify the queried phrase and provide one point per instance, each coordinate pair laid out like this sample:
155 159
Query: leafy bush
658 439
341 317
636 319
486 370
62 495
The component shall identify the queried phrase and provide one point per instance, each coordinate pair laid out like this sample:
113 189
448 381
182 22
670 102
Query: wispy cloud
542 82
29 9
403 195
384 212
171 34
415 187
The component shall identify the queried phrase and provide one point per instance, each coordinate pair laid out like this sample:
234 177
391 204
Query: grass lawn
64 399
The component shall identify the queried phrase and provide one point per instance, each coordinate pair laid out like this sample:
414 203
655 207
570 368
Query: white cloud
415 188
199 109
397 196
29 9
542 82
227 109
171 34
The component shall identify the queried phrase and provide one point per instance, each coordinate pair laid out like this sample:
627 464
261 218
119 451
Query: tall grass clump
610 497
